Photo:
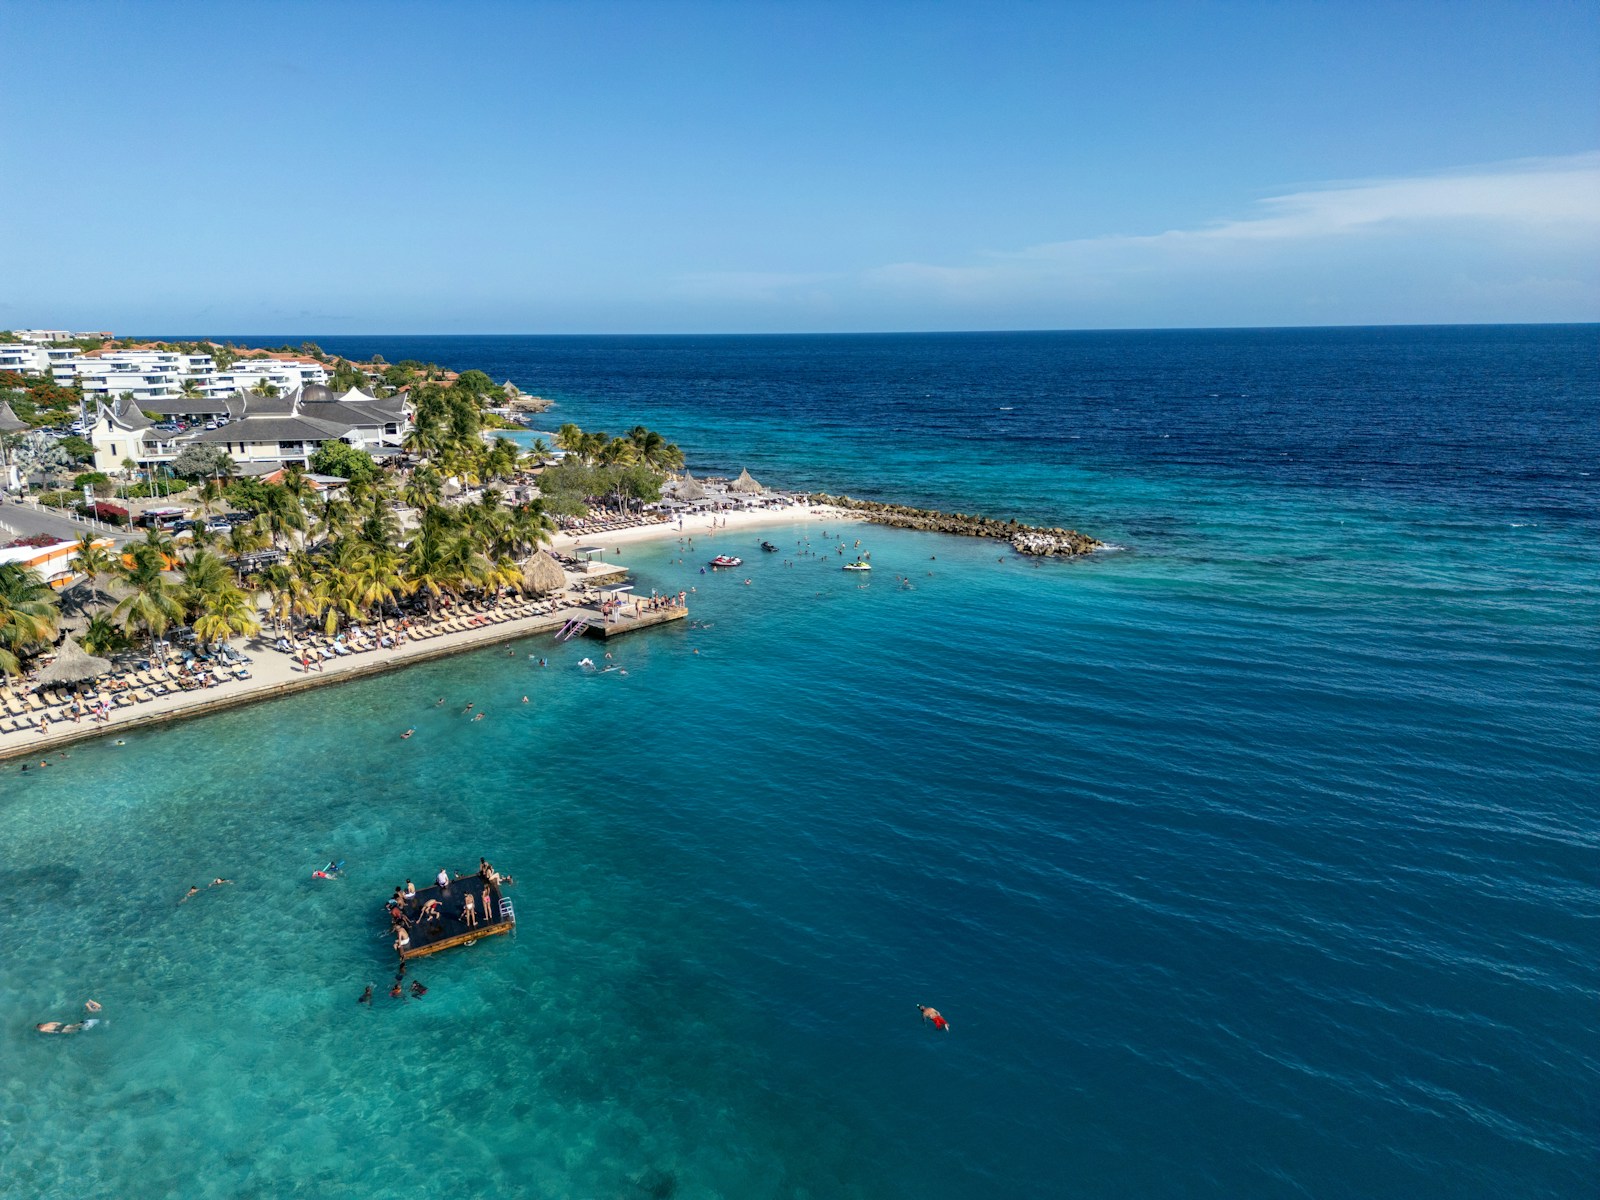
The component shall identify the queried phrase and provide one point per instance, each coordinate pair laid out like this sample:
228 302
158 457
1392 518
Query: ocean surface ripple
1255 860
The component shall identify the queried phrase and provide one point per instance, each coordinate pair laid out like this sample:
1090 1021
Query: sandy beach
700 525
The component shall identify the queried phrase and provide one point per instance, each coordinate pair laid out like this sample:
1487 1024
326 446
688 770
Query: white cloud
1542 215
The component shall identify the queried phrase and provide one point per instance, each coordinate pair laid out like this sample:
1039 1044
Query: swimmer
58 1027
91 1006
366 996
119 742
524 699
407 734
194 891
478 717
467 709
933 1015
437 703
397 992
218 882
418 990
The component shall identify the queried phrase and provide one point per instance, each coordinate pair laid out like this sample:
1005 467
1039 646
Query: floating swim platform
449 930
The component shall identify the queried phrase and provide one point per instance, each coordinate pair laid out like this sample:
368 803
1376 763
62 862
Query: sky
667 167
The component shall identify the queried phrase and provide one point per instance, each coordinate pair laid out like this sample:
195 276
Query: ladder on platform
507 913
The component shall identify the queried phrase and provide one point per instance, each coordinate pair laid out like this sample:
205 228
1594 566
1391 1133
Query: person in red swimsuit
933 1014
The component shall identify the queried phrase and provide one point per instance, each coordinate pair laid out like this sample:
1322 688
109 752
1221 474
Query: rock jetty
1024 539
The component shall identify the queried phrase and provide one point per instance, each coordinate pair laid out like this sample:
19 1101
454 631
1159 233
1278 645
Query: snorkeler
933 1015
191 892
418 990
366 996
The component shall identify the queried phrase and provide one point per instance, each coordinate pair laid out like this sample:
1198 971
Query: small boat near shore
726 560
860 564
769 547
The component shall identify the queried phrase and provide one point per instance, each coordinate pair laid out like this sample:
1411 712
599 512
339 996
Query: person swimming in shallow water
366 996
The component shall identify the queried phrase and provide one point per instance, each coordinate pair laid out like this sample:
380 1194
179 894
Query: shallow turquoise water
1254 859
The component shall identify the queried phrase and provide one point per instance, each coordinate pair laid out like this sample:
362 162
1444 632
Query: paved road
25 520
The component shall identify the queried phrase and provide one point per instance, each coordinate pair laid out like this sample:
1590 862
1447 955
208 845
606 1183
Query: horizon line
893 332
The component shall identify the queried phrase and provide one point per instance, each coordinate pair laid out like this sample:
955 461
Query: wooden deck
626 622
430 937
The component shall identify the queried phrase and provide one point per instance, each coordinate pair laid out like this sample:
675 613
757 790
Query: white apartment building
143 374
43 335
32 359
287 375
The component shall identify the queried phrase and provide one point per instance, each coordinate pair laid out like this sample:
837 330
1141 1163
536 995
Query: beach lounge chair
143 696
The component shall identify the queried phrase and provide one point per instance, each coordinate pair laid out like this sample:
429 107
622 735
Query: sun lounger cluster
128 688
583 527
309 647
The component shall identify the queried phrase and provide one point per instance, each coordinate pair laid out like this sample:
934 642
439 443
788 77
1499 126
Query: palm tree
226 613
152 603
424 488
264 387
93 561
28 614
102 635
283 588
281 513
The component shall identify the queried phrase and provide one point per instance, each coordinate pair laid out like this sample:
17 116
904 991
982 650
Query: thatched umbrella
689 488
542 574
73 664
745 483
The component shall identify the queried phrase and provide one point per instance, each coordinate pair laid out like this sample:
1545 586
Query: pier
629 617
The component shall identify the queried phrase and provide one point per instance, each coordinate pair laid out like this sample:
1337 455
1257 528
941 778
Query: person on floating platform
488 909
411 892
402 939
469 912
443 879
432 910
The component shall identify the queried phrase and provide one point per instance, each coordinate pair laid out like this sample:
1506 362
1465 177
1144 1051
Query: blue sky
699 167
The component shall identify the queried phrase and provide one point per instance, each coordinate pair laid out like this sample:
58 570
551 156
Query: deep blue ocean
1255 858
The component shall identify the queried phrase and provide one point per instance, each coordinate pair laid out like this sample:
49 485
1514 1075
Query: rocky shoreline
1024 539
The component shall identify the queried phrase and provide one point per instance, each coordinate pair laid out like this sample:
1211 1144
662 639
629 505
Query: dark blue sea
1254 858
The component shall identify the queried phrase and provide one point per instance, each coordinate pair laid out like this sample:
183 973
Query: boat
859 565
727 560
769 547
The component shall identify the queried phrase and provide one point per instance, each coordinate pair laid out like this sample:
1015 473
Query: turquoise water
1254 859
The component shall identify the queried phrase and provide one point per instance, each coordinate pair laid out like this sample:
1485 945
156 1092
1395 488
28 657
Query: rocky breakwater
1024 539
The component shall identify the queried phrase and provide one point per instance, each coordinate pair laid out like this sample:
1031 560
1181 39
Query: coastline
274 674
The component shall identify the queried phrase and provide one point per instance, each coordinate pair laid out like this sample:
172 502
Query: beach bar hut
689 490
73 665
746 483
542 575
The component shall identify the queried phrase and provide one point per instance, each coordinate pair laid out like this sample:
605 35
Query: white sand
699 525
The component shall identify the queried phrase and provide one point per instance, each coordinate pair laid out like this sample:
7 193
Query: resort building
285 429
285 375
27 358
252 430
122 433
